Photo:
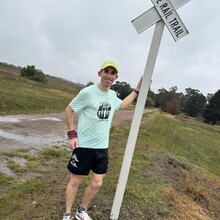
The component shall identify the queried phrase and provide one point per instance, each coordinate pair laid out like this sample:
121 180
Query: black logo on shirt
104 110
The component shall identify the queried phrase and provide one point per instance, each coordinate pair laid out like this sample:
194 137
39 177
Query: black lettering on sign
179 32
177 29
163 6
166 10
158 1
168 14
173 24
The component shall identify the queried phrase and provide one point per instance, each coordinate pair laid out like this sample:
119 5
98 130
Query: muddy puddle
34 132
30 132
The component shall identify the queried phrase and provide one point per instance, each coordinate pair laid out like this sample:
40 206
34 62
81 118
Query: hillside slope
20 95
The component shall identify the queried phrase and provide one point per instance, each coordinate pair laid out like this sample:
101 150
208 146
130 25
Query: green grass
33 162
40 184
5 180
32 182
19 198
144 191
184 139
19 95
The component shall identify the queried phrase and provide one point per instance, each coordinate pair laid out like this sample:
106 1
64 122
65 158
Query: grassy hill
19 95
175 172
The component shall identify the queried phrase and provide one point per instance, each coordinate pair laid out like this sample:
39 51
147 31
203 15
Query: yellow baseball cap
111 63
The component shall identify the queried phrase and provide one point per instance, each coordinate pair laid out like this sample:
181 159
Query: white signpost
163 12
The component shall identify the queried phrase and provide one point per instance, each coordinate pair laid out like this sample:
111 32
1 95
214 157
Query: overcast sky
71 39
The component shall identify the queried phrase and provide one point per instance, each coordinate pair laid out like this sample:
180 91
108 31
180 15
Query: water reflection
12 118
32 131
30 140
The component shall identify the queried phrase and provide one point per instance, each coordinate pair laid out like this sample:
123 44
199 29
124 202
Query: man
96 105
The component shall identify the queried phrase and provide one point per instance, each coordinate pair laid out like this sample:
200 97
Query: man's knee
95 185
75 180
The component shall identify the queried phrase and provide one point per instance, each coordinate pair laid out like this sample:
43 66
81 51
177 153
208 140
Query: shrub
32 73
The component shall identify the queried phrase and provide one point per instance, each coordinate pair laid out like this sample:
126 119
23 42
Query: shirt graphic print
104 111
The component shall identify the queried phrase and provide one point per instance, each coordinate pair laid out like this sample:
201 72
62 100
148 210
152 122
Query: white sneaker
67 217
83 215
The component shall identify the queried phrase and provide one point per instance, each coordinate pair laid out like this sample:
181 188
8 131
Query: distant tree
172 106
161 96
122 89
89 83
195 102
149 102
168 100
182 100
209 97
211 112
32 73
151 99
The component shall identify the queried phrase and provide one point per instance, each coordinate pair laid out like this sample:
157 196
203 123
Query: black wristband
137 92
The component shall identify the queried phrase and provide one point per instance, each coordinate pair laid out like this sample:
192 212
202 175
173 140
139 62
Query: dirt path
40 130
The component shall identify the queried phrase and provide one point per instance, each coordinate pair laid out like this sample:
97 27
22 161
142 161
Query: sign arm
151 16
148 72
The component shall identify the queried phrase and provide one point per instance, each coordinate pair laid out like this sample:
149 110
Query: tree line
192 103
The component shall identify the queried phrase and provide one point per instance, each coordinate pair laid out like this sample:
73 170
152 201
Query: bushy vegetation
20 95
34 74
212 109
193 103
122 89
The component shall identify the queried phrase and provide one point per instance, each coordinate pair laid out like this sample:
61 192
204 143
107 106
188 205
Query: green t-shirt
96 109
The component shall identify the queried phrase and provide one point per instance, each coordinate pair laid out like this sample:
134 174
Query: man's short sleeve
79 102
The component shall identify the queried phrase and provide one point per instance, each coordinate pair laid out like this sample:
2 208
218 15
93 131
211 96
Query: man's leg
92 189
71 191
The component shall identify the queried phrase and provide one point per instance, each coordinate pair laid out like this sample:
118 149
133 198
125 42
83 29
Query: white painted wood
151 16
171 18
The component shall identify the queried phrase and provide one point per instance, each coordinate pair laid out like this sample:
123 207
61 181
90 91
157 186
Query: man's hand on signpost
139 84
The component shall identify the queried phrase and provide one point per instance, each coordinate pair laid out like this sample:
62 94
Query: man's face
108 76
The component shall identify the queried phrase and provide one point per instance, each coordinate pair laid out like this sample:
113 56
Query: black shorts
84 159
